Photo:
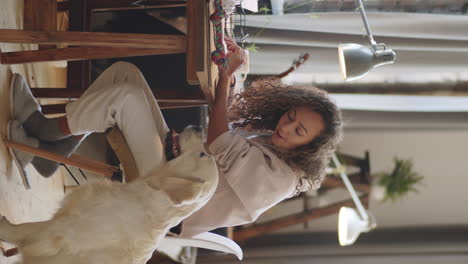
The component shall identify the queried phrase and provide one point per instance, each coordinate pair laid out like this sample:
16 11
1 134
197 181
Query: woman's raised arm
218 123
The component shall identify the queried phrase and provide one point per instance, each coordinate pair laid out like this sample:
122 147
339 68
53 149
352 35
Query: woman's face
297 127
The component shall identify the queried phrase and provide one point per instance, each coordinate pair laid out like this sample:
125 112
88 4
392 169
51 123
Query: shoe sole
12 85
24 178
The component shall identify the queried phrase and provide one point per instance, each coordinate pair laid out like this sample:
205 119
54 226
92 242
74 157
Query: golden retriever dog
110 222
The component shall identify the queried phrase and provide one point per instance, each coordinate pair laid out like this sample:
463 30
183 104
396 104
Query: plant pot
377 192
277 7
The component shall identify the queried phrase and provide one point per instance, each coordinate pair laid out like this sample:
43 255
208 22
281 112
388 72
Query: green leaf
252 47
400 181
264 10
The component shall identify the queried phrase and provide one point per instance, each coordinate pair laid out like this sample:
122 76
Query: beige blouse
251 180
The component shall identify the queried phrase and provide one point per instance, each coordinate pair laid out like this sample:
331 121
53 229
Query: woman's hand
235 58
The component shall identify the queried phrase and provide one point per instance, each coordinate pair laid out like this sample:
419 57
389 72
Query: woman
293 132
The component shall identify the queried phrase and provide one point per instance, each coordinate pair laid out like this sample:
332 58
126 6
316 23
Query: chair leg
75 160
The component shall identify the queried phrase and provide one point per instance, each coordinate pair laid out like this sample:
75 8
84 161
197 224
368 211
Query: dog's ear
182 190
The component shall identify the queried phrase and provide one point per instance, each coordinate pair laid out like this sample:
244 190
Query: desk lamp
351 223
356 60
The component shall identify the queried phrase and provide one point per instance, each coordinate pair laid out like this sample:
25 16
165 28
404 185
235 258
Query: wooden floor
16 203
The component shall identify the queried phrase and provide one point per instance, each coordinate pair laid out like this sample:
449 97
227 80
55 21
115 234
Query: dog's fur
109 222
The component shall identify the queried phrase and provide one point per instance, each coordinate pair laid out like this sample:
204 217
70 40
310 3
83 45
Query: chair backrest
120 147
205 240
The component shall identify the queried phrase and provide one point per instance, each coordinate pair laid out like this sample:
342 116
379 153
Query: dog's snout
203 154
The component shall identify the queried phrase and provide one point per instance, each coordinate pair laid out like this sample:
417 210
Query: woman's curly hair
260 107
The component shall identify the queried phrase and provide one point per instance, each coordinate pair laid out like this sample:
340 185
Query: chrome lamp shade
351 225
357 60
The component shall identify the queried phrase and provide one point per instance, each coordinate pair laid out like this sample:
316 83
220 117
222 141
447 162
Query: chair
206 240
117 141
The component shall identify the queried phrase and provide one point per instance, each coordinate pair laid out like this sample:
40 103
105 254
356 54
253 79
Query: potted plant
396 184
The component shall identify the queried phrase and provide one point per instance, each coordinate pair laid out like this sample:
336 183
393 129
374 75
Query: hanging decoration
219 55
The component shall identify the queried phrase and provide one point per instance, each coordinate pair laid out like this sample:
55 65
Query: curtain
429 47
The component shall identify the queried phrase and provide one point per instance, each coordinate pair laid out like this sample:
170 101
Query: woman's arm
218 123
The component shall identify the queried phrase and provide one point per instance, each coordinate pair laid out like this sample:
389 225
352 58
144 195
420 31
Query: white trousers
121 97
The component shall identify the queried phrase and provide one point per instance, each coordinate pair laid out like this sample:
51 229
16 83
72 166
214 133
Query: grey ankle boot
64 147
22 102
17 134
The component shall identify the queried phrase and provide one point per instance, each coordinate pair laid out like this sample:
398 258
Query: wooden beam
305 203
94 39
362 163
79 53
46 20
356 177
208 75
195 40
332 183
110 5
277 224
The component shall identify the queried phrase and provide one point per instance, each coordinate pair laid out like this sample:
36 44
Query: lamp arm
349 186
366 24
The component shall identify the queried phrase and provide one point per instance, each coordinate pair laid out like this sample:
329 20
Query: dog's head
191 139
192 177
